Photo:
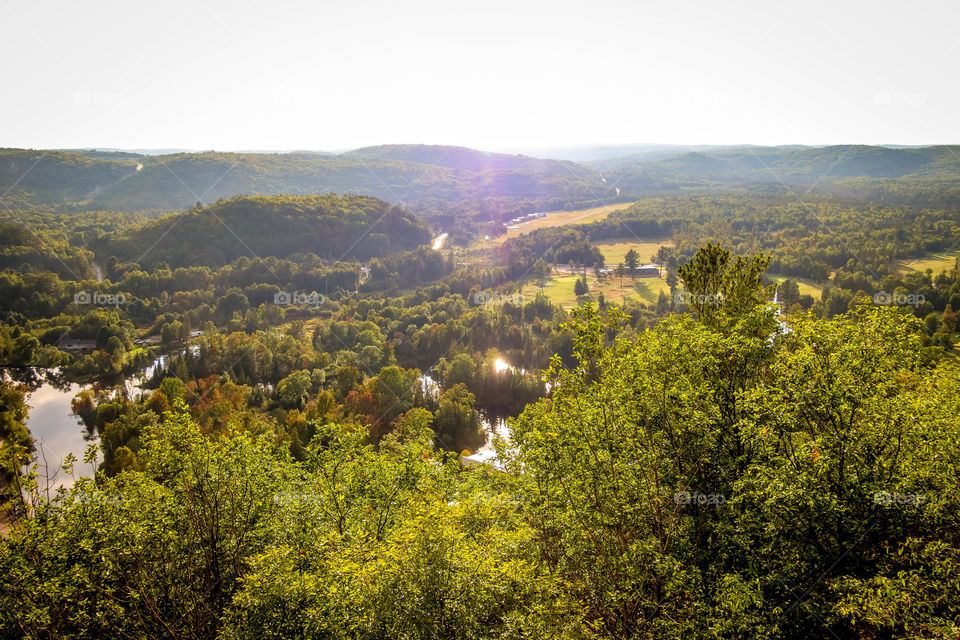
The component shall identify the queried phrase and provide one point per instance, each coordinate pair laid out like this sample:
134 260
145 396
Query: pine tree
631 260
580 287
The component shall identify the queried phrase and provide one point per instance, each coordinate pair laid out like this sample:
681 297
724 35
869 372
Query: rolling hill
459 189
333 227
465 159
798 164
429 180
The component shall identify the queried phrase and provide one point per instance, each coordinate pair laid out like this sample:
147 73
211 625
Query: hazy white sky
233 74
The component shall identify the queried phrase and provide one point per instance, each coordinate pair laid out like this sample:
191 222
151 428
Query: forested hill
465 159
461 182
460 189
799 164
332 227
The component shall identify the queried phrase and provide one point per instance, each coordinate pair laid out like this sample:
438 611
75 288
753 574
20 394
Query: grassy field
614 250
556 219
807 287
560 289
936 261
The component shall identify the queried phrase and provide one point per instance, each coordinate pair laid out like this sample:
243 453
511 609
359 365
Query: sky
494 75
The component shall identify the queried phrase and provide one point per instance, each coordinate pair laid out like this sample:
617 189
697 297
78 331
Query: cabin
73 345
648 271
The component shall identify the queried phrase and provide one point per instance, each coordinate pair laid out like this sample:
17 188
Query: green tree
172 388
462 369
295 389
457 422
580 287
693 464
541 271
619 271
720 289
631 261
16 443
25 350
788 293
672 282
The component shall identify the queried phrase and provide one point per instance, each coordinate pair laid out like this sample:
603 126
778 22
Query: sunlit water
56 433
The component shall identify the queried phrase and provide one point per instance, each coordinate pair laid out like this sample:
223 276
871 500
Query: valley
501 320
353 339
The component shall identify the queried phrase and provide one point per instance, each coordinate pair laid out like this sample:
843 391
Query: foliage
333 227
748 482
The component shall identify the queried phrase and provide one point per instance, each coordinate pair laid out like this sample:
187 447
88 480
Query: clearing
806 286
557 219
942 261
559 289
614 250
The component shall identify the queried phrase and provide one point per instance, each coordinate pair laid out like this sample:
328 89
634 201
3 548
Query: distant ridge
461 158
462 180
454 187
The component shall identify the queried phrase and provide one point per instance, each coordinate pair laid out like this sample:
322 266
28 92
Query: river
57 432
487 454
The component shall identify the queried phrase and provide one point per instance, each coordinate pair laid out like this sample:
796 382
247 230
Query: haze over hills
800 163
464 185
465 159
459 190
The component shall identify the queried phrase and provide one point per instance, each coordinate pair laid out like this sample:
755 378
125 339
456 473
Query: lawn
560 289
806 286
556 219
614 250
936 261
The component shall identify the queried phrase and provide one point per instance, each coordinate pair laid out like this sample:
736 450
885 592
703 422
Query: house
648 271
74 345
146 342
522 219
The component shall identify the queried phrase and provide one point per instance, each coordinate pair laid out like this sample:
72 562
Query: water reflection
57 432
487 454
